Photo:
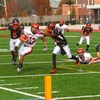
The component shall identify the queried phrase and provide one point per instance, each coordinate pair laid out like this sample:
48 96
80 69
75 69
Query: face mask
60 24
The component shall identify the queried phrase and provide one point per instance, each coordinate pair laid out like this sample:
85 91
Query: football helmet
51 25
80 50
15 23
34 28
88 25
61 22
35 25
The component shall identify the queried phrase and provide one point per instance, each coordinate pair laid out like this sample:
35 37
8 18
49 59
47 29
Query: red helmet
80 50
35 25
88 25
61 21
51 25
15 23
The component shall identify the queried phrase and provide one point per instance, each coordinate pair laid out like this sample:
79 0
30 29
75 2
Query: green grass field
71 82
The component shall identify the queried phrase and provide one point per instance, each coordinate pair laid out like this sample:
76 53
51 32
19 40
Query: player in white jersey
62 26
86 58
29 39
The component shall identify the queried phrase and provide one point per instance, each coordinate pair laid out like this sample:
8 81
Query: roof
54 3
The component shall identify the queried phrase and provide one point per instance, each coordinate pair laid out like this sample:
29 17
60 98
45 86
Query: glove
45 49
67 30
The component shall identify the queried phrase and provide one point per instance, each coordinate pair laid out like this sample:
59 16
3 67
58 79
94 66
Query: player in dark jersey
62 44
15 30
86 34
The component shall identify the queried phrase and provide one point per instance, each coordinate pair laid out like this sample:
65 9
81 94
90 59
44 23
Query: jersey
87 31
32 37
87 57
62 28
59 38
15 34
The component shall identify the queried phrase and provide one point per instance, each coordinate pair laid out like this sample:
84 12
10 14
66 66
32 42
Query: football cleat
78 63
19 67
97 47
53 71
77 45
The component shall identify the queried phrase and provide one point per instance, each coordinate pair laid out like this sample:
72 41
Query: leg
77 60
87 47
97 47
55 52
88 42
98 54
12 49
23 51
17 43
80 42
54 64
12 53
69 55
20 64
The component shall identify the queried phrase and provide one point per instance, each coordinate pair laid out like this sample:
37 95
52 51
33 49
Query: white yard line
24 93
31 63
62 74
77 97
43 92
1 80
25 88
10 84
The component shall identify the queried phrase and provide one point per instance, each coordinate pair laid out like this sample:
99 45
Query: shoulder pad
21 26
83 27
55 30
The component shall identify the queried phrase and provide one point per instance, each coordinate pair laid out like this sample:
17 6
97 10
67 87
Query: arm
91 60
3 28
45 45
49 33
67 30
44 41
90 35
23 38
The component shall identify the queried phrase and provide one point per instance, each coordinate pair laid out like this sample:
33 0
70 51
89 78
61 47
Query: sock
54 60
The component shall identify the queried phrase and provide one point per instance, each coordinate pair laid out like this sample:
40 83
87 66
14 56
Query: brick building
86 10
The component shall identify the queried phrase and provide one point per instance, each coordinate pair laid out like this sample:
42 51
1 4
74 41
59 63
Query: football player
15 30
86 34
62 26
29 39
86 58
97 49
61 45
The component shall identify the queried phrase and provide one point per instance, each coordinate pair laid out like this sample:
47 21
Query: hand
67 30
28 41
45 48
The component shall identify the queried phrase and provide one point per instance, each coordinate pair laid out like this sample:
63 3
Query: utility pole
5 9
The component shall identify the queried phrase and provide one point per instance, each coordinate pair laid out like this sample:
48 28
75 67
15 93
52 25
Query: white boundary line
24 93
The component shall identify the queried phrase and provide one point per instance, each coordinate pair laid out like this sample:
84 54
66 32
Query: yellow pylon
48 87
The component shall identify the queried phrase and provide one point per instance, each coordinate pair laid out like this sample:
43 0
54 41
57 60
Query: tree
13 9
41 7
